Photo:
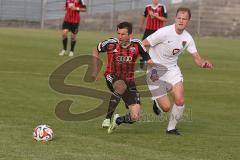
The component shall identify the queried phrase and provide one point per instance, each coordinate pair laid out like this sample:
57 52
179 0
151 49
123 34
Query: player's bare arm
94 63
160 18
82 9
142 21
146 43
78 9
151 63
201 62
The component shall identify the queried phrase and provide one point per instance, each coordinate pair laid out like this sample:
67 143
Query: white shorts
168 77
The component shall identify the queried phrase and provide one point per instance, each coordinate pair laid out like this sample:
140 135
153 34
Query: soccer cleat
156 109
62 53
106 123
173 132
113 125
71 53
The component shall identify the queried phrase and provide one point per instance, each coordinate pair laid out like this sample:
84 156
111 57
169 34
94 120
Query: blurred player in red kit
71 23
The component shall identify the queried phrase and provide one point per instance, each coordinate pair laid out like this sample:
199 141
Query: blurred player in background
122 53
166 44
71 23
155 15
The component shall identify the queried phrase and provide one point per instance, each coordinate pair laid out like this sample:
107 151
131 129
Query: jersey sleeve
103 46
157 37
66 4
145 14
82 4
191 48
164 11
142 50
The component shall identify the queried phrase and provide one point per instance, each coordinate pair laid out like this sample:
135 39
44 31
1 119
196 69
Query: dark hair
184 9
126 25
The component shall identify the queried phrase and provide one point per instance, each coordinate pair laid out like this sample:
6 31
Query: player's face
155 2
181 21
123 35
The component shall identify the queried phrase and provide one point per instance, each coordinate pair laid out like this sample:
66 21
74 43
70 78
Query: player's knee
120 86
179 102
165 108
64 35
73 38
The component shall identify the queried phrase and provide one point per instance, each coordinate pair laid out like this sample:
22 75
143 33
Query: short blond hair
184 9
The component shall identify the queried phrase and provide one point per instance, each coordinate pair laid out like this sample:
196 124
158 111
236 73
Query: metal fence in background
27 10
43 10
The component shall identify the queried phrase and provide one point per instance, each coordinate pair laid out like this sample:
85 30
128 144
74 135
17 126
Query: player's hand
151 14
155 15
73 8
154 76
206 64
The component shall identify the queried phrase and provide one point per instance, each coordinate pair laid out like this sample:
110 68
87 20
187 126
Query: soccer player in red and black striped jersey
71 23
122 53
155 16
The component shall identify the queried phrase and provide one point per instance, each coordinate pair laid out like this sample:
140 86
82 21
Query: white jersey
167 45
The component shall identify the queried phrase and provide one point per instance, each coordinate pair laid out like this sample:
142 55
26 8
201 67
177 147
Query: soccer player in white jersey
166 44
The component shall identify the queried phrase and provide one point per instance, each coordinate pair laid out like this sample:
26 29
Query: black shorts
130 96
148 33
73 27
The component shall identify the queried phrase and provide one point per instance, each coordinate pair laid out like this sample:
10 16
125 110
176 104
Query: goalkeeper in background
71 23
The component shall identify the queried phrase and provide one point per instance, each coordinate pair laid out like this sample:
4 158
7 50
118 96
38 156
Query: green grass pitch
210 126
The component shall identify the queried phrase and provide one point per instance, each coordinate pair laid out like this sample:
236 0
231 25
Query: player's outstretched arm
201 62
94 63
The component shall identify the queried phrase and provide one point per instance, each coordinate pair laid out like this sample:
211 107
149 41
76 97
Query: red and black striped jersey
121 60
73 16
154 23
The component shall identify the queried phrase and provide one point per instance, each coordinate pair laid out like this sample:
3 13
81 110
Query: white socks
175 116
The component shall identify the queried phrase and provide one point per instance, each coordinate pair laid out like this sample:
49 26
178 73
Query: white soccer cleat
113 125
71 54
106 123
62 53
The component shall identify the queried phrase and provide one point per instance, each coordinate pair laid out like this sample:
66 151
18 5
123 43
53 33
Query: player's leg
129 118
177 109
117 88
73 43
65 39
161 104
74 30
65 28
159 90
134 112
132 99
64 42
